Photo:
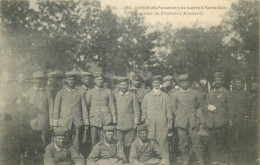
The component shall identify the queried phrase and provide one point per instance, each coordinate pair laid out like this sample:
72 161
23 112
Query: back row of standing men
163 110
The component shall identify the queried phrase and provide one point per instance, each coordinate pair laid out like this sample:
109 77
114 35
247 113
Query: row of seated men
108 151
81 109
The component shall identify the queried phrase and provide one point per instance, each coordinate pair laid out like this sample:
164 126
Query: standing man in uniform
219 112
39 105
86 78
157 113
128 113
136 88
107 151
60 151
70 109
102 111
169 88
242 114
186 103
53 86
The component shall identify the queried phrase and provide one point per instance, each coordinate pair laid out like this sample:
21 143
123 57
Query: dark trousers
126 137
217 144
189 137
95 135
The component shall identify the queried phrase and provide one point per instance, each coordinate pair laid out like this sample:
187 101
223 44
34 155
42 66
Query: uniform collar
156 92
70 90
122 93
108 144
99 89
143 143
58 148
185 91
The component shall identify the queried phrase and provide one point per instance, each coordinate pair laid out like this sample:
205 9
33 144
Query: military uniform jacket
140 93
157 114
102 111
103 150
142 152
185 104
241 105
70 107
39 105
222 100
54 156
128 110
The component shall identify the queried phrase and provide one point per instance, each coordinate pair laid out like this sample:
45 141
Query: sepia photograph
129 82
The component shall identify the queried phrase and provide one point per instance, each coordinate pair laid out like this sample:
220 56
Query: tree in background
241 29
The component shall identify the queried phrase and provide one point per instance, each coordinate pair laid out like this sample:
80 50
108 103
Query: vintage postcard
129 82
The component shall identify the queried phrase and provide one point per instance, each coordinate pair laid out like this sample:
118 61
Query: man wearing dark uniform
102 107
219 113
136 88
146 151
107 151
128 112
61 152
70 109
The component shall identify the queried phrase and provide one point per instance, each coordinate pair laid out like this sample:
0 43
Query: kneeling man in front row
107 151
60 152
146 151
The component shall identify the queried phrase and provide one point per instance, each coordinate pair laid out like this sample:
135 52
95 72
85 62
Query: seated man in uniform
107 151
145 151
60 152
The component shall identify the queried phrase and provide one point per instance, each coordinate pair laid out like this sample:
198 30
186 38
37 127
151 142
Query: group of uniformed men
128 125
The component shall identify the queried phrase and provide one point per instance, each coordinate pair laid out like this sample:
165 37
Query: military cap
167 78
59 131
71 74
136 78
142 127
86 74
56 74
108 128
38 74
157 78
98 74
219 75
183 77
123 79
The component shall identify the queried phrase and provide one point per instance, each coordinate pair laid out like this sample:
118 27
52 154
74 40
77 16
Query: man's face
136 83
238 85
168 83
143 135
185 84
218 82
123 86
52 81
61 141
38 82
156 84
99 81
70 82
86 81
109 136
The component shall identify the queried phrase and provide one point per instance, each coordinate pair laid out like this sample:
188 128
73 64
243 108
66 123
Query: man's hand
86 128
